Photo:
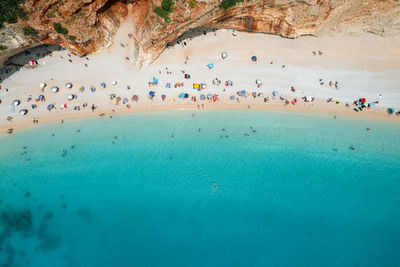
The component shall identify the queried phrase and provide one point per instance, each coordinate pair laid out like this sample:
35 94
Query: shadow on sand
14 63
191 34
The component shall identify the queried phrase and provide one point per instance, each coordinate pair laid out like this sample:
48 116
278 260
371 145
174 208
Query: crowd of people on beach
199 94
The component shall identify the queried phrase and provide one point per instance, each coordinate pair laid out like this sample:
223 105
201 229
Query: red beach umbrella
363 100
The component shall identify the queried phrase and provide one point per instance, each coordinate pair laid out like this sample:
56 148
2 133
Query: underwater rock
17 221
41 233
27 194
86 215
49 241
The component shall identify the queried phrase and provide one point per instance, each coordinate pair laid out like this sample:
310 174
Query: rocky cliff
92 23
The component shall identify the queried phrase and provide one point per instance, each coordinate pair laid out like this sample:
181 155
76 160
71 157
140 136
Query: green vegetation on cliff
57 26
167 6
225 4
10 10
28 30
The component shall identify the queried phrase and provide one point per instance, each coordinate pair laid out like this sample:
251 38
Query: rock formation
92 23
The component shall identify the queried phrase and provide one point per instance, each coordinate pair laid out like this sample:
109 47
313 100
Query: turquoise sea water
249 188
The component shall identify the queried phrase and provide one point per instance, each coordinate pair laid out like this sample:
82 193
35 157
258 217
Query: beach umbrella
209 96
224 55
210 65
42 85
114 82
258 81
125 100
155 80
196 86
16 103
232 97
371 104
151 93
202 97
50 106
70 96
54 89
103 85
41 97
172 100
275 93
68 85
254 58
186 95
234 32
82 89
243 93
163 97
261 95
363 100
23 112
181 95
135 98
203 86
390 110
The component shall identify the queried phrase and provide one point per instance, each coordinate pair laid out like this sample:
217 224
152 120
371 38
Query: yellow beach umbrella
172 100
196 86
42 85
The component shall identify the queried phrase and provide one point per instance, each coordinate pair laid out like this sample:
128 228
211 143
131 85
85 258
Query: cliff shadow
24 58
191 34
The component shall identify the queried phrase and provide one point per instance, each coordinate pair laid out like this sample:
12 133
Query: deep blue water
271 189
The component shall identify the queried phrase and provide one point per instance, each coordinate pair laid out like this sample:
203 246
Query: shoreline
312 110
342 69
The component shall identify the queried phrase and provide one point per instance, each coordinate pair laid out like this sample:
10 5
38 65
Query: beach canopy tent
258 81
308 98
103 85
254 58
232 97
371 104
202 97
224 55
33 63
210 65
152 93
16 103
68 85
275 93
23 111
243 93
42 85
55 89
114 82
70 96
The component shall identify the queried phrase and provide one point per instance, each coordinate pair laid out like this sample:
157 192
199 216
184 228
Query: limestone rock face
94 22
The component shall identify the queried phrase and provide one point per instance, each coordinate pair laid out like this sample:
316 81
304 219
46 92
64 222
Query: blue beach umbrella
254 58
186 95
41 97
151 93
391 110
275 93
210 65
103 85
202 97
155 80
209 96
181 95
232 97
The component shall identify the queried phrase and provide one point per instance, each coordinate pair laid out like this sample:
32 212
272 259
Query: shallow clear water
280 195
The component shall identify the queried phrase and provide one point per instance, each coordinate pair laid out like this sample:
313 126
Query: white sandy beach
365 66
